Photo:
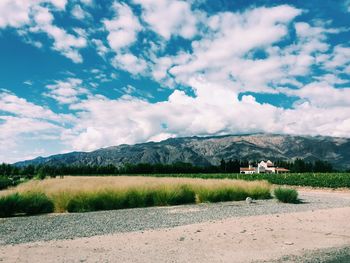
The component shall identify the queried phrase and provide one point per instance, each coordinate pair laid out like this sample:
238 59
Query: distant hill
204 151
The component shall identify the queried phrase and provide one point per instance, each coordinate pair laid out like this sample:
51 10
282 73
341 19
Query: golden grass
63 190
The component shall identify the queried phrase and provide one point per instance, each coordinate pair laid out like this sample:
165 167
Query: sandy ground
242 239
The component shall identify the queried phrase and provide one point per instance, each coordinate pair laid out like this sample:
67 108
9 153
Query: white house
247 170
263 167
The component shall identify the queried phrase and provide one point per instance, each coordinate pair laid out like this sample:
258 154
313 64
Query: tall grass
26 203
286 195
109 200
82 194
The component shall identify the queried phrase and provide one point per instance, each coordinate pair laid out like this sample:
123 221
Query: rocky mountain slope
204 151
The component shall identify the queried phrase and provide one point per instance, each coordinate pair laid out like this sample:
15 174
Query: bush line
36 203
27 204
184 194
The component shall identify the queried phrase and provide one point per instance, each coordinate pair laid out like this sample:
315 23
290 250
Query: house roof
269 163
246 169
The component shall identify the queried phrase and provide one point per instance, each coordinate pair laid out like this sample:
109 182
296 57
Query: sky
78 75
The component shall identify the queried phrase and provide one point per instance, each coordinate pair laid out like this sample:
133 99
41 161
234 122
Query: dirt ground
242 239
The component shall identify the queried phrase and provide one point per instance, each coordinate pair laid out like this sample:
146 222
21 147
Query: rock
248 200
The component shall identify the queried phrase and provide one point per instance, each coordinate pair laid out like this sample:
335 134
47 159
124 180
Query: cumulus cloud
339 59
64 42
130 63
221 57
258 50
66 91
168 18
10 103
101 48
123 28
79 13
16 13
33 16
331 96
22 121
215 110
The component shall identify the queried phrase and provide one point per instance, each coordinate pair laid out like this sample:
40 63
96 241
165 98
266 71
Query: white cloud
64 42
232 53
221 57
214 110
66 91
167 17
323 95
123 28
60 4
79 13
22 122
130 63
102 50
339 59
16 13
10 103
33 16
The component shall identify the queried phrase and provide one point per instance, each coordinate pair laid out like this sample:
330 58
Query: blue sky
78 75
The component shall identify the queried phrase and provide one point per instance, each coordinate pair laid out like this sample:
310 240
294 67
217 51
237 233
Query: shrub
4 182
28 203
107 200
10 205
260 193
183 195
41 173
36 203
286 195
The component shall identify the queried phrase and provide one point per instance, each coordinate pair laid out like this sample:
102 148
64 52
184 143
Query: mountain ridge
205 151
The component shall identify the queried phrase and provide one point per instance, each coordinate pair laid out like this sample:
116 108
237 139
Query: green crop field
331 180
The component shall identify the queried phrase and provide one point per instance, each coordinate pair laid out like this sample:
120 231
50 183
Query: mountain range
204 151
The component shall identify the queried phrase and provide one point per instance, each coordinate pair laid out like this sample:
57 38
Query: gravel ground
69 226
330 255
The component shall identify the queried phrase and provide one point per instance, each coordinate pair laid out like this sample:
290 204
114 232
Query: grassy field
92 193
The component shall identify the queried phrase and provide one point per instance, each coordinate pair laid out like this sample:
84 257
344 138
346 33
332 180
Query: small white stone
248 200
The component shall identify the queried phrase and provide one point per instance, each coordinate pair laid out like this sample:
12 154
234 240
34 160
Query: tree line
225 166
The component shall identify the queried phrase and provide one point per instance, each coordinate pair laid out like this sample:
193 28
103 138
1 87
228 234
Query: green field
330 180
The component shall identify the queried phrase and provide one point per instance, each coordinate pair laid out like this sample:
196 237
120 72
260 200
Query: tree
41 174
